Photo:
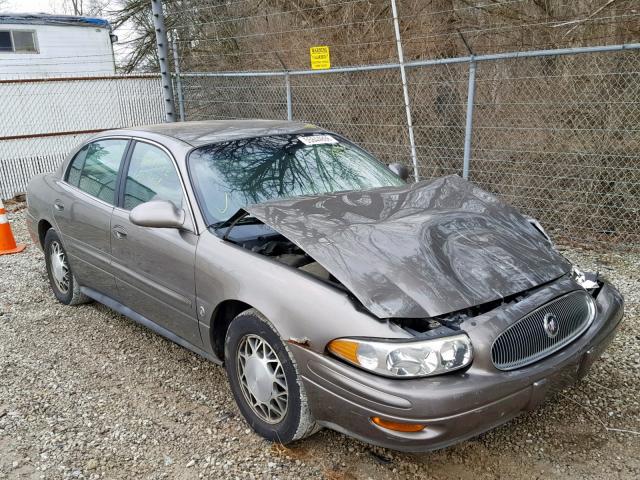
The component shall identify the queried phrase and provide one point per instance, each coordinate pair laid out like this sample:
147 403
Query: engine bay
263 240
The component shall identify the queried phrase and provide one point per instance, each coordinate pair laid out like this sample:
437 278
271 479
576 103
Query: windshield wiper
241 217
232 220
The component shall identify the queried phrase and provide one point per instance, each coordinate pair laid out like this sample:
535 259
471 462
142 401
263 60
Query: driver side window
151 176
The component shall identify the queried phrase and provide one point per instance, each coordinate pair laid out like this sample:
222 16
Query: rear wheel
264 380
63 283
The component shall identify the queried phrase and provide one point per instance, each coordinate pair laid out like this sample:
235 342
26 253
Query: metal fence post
287 84
162 44
468 129
405 90
176 68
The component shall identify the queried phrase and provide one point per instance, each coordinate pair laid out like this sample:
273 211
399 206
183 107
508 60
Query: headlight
405 359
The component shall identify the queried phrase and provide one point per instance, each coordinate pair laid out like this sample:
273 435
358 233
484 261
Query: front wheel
63 283
264 380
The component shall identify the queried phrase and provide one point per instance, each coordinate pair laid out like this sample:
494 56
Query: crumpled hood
419 250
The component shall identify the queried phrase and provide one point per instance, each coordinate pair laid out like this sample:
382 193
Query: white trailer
41 45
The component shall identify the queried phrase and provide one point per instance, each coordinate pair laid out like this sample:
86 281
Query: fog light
398 426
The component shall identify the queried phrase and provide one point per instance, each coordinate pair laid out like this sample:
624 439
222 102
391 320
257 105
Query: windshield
228 176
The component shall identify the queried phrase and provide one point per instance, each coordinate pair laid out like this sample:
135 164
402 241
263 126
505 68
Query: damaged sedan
408 315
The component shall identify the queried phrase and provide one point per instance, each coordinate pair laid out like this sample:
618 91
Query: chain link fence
559 138
43 119
555 133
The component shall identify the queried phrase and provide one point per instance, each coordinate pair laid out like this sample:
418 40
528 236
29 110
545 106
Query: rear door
83 208
155 266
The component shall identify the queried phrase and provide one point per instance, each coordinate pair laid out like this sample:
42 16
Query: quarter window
151 176
75 169
18 41
94 169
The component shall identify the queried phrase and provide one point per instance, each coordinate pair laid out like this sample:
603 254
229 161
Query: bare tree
265 34
84 7
136 15
74 6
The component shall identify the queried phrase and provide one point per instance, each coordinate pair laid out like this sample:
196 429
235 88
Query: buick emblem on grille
547 329
551 326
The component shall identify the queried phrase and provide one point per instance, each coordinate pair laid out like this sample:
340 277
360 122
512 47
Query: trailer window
5 42
24 41
18 41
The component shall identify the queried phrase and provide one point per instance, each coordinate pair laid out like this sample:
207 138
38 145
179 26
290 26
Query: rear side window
94 169
151 176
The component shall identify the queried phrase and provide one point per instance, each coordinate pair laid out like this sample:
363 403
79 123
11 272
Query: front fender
300 306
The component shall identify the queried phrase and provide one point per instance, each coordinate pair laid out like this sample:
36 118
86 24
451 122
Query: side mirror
400 170
157 214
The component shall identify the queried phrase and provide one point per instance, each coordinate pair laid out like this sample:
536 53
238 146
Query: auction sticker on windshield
317 139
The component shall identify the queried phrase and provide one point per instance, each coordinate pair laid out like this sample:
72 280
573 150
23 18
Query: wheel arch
222 316
43 227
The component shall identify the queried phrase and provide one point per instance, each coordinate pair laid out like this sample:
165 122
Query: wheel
265 381
63 283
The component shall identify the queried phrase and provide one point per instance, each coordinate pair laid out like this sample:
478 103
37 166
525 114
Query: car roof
211 131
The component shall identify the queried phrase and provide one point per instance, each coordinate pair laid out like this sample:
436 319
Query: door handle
58 205
119 232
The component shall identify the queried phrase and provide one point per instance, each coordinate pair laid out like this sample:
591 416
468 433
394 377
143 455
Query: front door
155 266
83 208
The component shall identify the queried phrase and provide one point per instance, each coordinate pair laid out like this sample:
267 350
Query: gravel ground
86 393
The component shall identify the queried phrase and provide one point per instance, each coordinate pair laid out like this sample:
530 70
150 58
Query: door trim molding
158 287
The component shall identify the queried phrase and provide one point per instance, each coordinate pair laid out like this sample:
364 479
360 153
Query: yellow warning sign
320 58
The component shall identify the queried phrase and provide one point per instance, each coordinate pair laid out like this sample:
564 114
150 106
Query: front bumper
454 407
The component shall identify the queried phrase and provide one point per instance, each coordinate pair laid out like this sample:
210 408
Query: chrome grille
527 341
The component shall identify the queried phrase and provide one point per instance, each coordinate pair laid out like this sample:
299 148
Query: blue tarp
46 19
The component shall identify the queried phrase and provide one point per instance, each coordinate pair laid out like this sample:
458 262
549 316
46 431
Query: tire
64 285
277 424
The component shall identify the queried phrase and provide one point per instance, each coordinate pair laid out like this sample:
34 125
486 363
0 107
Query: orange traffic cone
7 242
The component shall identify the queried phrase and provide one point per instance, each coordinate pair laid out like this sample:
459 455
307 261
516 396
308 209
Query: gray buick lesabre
411 316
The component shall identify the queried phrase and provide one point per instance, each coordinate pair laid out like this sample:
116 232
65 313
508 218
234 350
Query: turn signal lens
346 349
398 426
